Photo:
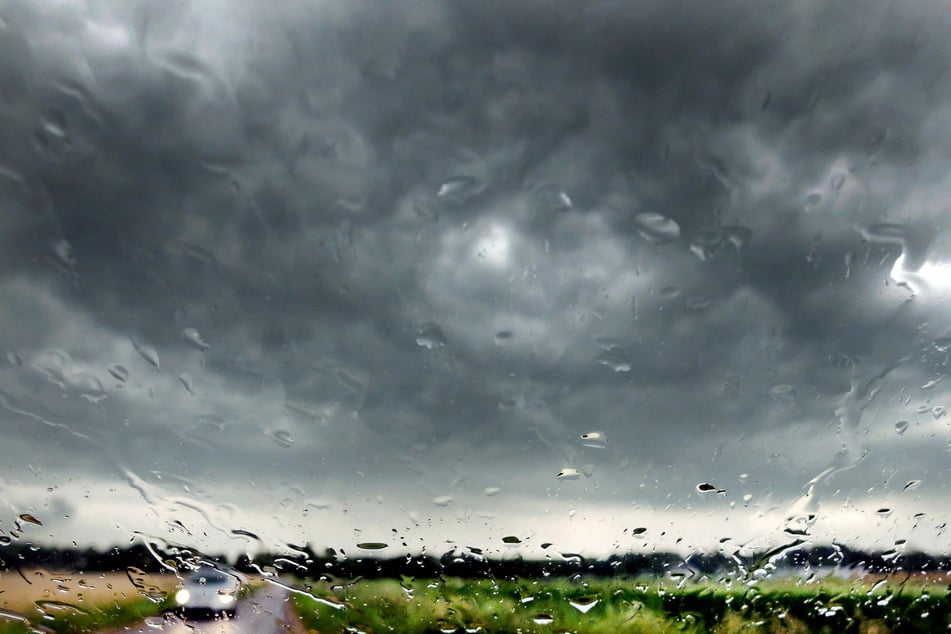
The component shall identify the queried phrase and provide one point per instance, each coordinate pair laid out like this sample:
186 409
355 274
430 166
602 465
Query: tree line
305 562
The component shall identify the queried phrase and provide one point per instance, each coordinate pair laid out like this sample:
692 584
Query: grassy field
649 606
79 603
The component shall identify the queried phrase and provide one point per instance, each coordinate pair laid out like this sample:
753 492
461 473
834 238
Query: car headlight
182 596
225 599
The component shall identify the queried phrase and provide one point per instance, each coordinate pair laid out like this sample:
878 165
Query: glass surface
423 293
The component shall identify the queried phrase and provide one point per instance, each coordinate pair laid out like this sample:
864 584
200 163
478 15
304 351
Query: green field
599 605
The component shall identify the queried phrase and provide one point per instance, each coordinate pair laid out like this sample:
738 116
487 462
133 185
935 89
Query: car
208 592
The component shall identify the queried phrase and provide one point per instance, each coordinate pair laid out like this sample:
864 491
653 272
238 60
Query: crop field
69 602
871 606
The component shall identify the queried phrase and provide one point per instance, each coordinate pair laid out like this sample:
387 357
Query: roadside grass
615 605
70 619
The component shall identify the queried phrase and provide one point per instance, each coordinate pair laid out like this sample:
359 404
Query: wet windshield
586 308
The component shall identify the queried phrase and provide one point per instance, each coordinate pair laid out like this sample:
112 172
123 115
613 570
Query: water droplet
443 500
543 619
616 359
595 440
888 232
932 383
781 390
281 437
459 189
546 197
706 244
737 236
884 511
569 473
911 484
186 379
148 353
669 292
799 524
86 383
942 344
607 343
697 302
706 487
430 336
503 337
30 519
656 228
54 124
583 604
938 411
119 372
901 426
372 545
813 199
192 335
511 539
155 623
490 491
640 530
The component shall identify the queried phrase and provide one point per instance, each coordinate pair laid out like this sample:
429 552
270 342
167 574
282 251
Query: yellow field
20 593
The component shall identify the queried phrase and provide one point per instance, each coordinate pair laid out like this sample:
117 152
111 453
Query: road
261 613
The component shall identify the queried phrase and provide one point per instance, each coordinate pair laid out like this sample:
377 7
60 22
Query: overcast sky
343 272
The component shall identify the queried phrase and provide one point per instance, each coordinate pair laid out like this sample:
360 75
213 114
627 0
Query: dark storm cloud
285 244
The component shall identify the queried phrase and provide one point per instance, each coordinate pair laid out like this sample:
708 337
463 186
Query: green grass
456 605
72 620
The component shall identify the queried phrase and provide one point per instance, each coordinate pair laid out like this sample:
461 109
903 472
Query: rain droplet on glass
595 440
194 337
281 437
583 604
372 545
617 359
119 372
569 473
656 228
148 353
503 337
430 336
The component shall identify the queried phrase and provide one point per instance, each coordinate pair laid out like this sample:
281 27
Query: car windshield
451 315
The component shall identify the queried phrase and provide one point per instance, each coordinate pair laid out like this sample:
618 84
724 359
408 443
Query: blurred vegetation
602 605
789 589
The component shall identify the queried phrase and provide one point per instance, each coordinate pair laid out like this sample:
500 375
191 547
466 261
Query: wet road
261 613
